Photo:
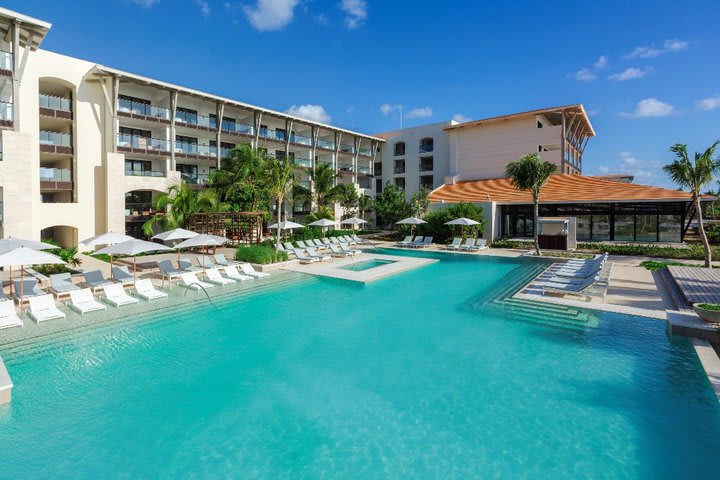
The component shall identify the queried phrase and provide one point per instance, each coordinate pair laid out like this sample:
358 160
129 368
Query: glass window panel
624 228
670 227
600 228
583 227
646 228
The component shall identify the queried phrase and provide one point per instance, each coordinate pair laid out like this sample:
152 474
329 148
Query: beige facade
85 148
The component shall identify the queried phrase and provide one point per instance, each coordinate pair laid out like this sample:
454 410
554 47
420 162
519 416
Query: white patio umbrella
353 221
175 234
286 225
107 238
462 222
203 240
412 221
23 256
133 248
9 243
324 223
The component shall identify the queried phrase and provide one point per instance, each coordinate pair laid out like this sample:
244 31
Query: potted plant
709 312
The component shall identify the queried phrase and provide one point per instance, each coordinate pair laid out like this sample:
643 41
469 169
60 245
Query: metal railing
55 174
139 108
144 173
56 103
145 143
6 60
366 152
6 111
55 138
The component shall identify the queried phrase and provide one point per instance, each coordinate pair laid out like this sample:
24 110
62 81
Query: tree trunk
279 214
703 235
536 213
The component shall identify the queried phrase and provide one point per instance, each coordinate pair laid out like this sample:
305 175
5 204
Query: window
426 164
539 124
280 133
400 183
189 173
135 132
399 166
426 145
229 124
137 166
378 186
378 168
399 148
426 181
186 115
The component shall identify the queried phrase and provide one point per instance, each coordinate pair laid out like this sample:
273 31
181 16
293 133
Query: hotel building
85 147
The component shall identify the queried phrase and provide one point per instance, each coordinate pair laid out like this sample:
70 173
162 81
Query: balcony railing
142 143
55 174
399 170
326 144
426 148
194 119
138 209
346 166
300 139
224 151
6 60
304 184
55 103
427 167
6 111
239 128
364 170
198 179
144 173
303 162
347 148
55 138
272 134
139 108
195 149
366 152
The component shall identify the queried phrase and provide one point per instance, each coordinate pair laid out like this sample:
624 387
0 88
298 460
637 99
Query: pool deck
334 268
697 285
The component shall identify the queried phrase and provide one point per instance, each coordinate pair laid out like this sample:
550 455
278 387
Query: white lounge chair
231 271
247 269
349 250
190 280
83 301
469 243
314 253
43 308
8 315
455 244
187 266
224 262
480 244
115 295
61 284
167 271
213 276
95 279
336 252
406 241
145 289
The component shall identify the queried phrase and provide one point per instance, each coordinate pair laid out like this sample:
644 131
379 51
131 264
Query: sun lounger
468 244
361 241
288 246
300 243
326 241
348 240
418 241
455 244
206 261
247 269
480 244
187 266
336 252
335 240
555 287
231 271
94 279
43 308
314 253
61 284
146 290
213 276
122 275
406 241
29 289
115 295
83 301
427 241
224 262
347 249
319 244
8 316
304 257
190 280
167 271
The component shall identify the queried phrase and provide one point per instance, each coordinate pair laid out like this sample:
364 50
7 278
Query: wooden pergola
239 227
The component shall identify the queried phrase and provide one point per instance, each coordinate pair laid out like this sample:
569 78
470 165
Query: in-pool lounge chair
190 280
455 244
405 242
8 316
568 288
314 253
145 289
213 276
61 284
122 275
231 271
115 295
224 262
83 301
187 266
94 279
43 308
247 269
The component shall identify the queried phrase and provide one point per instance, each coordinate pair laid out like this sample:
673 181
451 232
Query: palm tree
176 206
325 189
530 173
365 205
240 177
693 175
279 181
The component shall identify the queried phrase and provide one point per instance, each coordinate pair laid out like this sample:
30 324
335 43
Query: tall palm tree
279 181
325 188
693 175
176 206
365 205
240 177
530 173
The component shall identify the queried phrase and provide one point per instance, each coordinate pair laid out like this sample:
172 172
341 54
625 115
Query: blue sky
646 71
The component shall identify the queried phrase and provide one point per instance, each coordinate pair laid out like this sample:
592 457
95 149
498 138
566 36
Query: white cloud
355 12
204 7
315 113
145 3
350 109
423 112
583 75
641 169
630 74
459 117
387 108
601 62
710 103
269 15
650 51
650 107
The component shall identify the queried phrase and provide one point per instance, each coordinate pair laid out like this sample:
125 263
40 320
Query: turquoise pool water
366 265
427 374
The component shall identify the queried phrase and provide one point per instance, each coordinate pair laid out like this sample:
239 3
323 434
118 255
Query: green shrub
654 265
709 306
259 254
308 233
441 233
689 252
520 244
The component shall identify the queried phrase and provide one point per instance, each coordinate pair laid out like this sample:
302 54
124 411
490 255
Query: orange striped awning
560 188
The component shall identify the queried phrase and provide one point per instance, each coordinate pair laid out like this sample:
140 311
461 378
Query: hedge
259 254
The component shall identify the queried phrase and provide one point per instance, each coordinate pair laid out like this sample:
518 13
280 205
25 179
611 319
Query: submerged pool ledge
337 268
6 384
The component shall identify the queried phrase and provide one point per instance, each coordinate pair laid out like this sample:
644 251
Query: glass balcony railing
272 134
55 174
366 151
426 167
426 148
301 139
224 151
55 138
143 143
195 149
399 170
197 179
347 148
364 170
326 144
6 60
140 108
6 111
304 184
56 103
143 173
137 209
190 118
346 166
303 162
240 128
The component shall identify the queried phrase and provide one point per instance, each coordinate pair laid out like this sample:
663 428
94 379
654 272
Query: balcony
194 150
327 145
144 173
143 111
426 148
6 114
364 170
346 167
193 120
398 170
56 142
237 129
302 162
366 152
301 140
347 149
195 180
426 167
6 63
274 135
55 179
138 211
56 107
138 144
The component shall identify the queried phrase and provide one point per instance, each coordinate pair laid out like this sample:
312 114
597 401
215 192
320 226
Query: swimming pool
426 374
366 265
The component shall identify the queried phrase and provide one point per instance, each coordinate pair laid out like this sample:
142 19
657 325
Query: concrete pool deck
335 268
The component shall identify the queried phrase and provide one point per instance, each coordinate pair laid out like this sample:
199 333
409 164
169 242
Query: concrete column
173 111
15 29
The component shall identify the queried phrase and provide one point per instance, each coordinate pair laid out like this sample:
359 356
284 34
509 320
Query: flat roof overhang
32 30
